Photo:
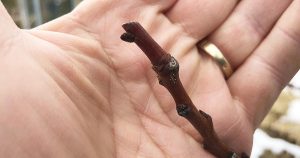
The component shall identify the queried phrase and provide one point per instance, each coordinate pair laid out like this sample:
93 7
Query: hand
72 88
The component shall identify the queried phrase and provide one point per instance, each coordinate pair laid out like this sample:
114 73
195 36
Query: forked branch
167 69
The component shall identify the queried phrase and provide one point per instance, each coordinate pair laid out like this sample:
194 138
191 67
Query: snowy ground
262 141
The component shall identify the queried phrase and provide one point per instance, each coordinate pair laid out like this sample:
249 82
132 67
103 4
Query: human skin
72 88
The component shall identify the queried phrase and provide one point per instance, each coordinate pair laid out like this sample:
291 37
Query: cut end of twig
137 34
128 37
130 26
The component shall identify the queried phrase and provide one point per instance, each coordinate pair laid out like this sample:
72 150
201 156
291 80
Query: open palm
72 88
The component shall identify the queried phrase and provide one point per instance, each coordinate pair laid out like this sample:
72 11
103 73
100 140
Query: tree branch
167 69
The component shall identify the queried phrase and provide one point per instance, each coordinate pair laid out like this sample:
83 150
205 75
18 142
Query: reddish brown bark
167 69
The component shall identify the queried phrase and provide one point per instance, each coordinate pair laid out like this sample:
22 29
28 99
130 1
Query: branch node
167 70
173 65
183 110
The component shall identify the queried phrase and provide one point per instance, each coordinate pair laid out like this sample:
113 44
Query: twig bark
167 69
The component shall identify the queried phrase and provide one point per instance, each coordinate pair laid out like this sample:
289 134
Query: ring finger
200 17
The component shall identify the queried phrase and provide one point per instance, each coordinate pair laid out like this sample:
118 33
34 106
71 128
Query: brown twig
167 69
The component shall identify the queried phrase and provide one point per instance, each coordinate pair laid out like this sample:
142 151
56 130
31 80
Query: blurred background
31 13
278 135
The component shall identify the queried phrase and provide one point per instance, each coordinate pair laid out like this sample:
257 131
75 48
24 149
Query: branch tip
128 27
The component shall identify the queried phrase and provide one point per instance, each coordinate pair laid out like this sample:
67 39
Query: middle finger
246 27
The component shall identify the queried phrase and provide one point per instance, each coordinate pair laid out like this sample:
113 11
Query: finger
200 17
246 27
104 6
92 12
7 25
258 82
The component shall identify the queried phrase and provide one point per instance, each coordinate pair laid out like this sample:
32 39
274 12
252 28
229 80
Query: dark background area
31 13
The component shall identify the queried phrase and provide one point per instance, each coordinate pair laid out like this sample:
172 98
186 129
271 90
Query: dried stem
167 69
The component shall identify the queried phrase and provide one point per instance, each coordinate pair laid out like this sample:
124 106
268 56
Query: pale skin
72 88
